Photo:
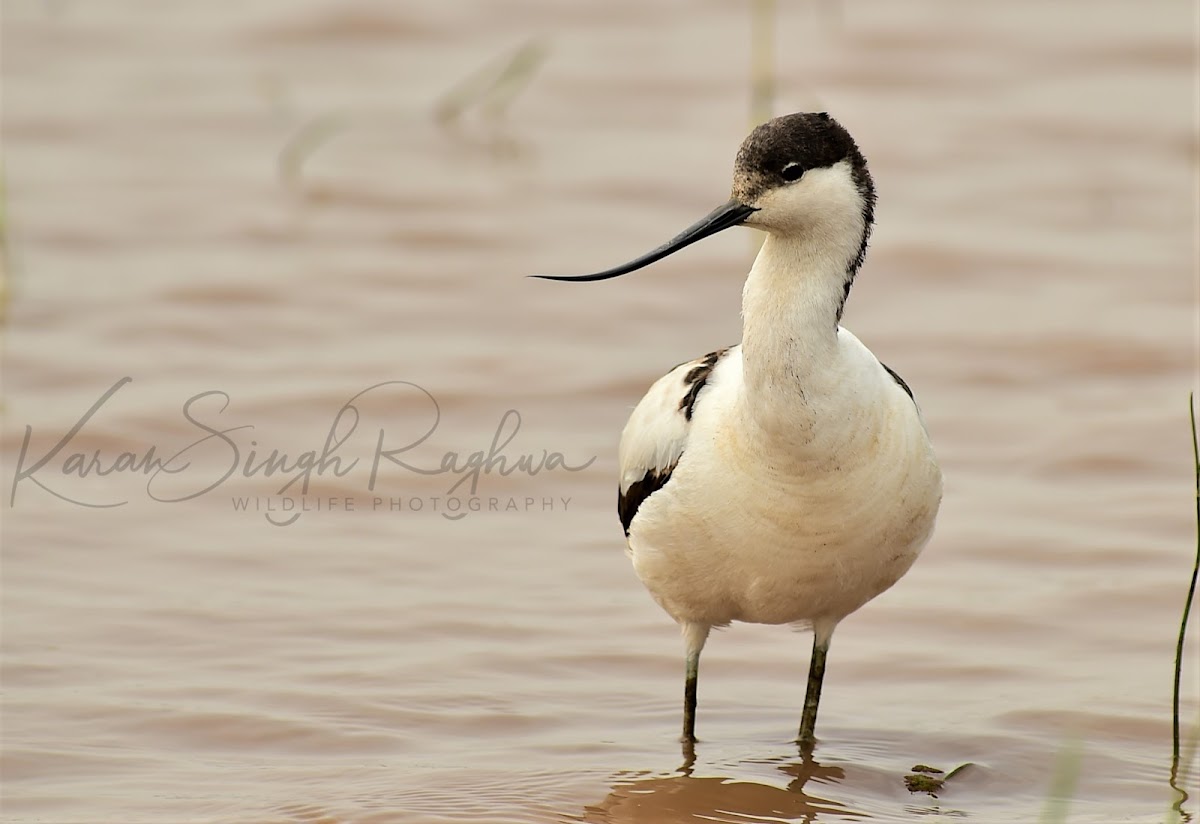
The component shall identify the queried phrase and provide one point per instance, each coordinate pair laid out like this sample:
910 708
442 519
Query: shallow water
1031 277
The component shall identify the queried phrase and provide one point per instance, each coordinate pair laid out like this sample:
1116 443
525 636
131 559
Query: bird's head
795 175
801 172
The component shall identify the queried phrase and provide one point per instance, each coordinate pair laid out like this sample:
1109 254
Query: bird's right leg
822 632
694 636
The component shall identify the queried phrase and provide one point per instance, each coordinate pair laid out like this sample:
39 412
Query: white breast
799 513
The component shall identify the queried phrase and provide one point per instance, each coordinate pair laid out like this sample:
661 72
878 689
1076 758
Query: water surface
1031 277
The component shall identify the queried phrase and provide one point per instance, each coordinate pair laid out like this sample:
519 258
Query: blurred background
266 208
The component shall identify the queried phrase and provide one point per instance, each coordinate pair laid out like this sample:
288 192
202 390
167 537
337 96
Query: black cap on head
777 150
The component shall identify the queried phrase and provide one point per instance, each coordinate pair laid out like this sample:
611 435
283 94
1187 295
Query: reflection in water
1180 795
684 796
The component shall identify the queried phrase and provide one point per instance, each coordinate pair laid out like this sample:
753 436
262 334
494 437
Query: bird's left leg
694 636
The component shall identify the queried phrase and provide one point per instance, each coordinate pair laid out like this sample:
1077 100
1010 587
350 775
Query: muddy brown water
179 659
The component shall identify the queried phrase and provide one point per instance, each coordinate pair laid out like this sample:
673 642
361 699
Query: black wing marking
898 380
632 498
655 478
695 380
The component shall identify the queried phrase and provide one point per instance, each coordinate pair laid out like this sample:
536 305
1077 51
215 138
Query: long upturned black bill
722 217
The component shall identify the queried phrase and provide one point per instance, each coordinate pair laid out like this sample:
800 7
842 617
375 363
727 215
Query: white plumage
789 479
753 525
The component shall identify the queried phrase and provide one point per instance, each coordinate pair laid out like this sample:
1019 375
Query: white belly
747 532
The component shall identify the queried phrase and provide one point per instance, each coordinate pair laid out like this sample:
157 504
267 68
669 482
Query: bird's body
800 520
789 479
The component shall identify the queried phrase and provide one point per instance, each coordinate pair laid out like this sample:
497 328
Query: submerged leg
694 636
816 674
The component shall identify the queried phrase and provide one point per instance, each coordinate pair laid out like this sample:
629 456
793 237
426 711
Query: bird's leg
816 674
694 637
689 697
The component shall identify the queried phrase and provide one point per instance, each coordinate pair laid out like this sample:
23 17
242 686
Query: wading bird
788 479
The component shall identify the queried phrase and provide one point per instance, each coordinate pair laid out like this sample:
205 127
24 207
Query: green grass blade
1187 604
1063 783
762 61
1182 795
311 136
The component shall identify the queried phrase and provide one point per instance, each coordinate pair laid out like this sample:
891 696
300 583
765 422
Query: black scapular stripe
695 380
898 380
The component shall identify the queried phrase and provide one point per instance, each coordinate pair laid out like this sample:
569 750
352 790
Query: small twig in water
311 136
495 86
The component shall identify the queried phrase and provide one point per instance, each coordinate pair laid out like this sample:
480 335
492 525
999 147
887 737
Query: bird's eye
792 171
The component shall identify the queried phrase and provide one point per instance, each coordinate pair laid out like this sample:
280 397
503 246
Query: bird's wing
657 432
899 381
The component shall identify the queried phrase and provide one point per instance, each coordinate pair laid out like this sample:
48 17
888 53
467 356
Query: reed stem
1187 604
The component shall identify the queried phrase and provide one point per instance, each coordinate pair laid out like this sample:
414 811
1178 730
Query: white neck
793 297
790 309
